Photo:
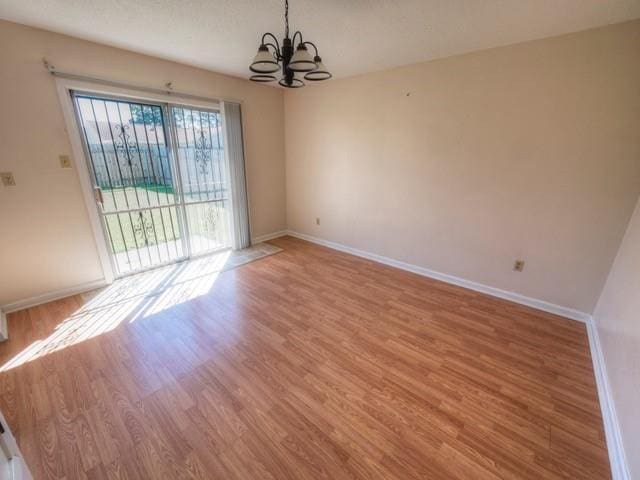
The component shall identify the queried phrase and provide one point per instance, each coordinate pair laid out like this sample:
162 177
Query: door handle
97 193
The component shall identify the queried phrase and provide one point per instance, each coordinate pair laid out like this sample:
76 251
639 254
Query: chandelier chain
286 18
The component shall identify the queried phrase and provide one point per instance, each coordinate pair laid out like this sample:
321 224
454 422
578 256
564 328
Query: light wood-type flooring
307 364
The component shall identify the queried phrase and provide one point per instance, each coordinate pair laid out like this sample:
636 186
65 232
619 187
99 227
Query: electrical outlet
518 265
7 179
65 161
317 220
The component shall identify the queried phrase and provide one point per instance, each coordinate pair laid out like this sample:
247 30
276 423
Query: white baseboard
461 282
496 292
51 296
617 458
269 236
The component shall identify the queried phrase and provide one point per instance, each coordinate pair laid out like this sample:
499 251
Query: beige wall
459 165
617 319
46 242
464 164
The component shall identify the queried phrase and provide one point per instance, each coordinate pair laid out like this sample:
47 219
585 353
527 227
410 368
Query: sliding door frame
65 88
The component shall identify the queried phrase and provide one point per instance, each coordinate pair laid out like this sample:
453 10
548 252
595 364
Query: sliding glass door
204 179
159 177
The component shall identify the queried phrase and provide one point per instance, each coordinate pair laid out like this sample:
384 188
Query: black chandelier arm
313 45
277 44
276 50
293 40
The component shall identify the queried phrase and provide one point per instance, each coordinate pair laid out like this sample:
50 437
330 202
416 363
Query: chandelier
291 59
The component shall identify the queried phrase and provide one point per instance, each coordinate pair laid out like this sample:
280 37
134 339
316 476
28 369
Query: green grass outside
128 231
159 188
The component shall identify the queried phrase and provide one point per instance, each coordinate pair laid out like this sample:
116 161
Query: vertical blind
237 174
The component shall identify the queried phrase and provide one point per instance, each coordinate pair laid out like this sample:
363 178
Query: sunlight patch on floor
136 297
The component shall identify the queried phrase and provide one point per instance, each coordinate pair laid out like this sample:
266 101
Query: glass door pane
204 178
126 146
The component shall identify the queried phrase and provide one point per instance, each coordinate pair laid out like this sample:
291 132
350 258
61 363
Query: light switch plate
7 179
65 161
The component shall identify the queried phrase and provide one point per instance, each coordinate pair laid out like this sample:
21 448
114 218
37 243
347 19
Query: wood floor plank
308 364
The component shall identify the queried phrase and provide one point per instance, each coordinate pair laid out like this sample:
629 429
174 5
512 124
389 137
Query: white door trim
64 88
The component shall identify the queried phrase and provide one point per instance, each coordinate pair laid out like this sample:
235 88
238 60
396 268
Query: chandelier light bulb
302 61
264 62
320 72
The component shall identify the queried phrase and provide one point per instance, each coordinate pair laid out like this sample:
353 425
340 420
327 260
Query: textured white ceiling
354 36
